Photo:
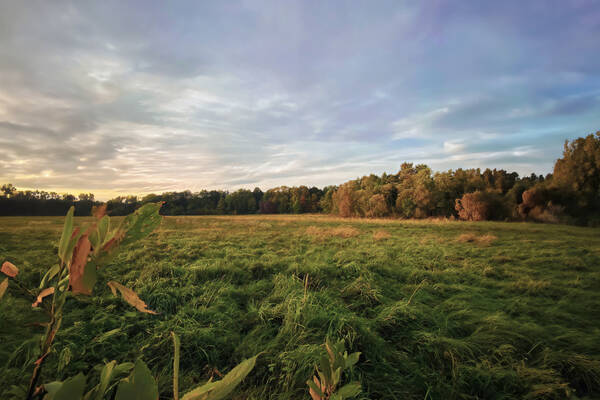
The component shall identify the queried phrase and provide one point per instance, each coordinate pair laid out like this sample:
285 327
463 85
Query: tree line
280 200
570 194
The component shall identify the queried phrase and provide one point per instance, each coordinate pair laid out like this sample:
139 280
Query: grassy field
439 310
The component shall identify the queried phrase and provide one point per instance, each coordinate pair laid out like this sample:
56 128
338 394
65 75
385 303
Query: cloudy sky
137 97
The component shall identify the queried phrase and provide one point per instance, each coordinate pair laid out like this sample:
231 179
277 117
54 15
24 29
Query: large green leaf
201 392
140 385
325 368
51 388
123 368
51 273
220 389
103 228
352 359
232 379
109 374
141 223
70 389
350 390
105 378
99 232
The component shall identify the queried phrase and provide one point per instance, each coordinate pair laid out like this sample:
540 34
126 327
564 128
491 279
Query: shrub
472 207
481 206
540 204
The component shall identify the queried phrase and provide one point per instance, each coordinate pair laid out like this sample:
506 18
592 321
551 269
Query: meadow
438 309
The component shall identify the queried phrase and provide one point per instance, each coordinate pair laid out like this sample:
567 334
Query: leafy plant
74 387
81 253
139 384
332 364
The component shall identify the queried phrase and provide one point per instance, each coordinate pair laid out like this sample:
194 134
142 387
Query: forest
570 194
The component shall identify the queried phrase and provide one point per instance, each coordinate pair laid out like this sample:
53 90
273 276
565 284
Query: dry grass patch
485 240
338 231
314 231
381 235
344 231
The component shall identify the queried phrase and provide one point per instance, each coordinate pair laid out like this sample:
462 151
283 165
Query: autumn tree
542 203
481 206
472 207
377 206
344 200
578 173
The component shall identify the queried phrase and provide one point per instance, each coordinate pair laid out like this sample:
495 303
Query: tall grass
433 317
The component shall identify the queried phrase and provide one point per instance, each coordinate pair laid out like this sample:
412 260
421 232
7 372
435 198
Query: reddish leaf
81 253
9 269
114 241
130 296
312 392
43 293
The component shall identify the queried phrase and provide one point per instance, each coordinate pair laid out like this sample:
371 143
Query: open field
439 310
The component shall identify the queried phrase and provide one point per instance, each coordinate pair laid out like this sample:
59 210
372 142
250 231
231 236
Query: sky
133 97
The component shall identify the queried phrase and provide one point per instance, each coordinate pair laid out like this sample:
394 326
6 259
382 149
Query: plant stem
55 310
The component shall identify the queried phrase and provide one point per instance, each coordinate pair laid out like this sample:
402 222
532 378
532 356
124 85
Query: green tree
578 173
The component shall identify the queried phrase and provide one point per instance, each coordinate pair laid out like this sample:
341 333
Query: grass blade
177 346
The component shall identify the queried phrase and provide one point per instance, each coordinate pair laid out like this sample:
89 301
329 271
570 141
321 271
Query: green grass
436 315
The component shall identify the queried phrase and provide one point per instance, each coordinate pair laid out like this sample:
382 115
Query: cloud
418 125
453 146
134 97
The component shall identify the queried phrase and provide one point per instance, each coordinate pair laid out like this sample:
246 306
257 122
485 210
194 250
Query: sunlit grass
508 312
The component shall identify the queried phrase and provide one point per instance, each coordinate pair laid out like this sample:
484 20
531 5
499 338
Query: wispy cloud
135 97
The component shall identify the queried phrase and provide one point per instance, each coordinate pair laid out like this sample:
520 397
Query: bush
472 207
481 206
540 204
